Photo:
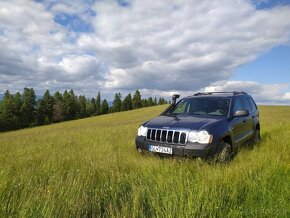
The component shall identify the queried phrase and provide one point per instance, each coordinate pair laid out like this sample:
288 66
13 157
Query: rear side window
238 105
252 104
246 104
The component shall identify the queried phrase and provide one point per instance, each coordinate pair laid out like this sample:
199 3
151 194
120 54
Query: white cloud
85 65
262 93
181 45
286 96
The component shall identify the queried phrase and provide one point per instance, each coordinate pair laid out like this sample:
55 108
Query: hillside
90 167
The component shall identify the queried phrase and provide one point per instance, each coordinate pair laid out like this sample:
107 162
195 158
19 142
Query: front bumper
189 149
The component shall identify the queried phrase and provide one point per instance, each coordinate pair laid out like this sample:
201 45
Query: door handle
244 121
253 117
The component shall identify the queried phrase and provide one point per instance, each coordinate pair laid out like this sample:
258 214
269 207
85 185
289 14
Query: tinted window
181 107
238 105
246 104
252 104
201 106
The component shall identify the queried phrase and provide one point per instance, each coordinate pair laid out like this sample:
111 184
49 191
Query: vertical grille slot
163 135
158 135
182 138
176 137
167 136
149 134
153 134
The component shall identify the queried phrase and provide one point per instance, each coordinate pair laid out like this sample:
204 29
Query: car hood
196 122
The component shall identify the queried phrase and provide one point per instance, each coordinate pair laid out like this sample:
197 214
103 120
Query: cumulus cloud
181 45
262 93
157 46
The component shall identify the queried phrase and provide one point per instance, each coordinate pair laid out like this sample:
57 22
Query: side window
246 104
180 108
252 103
238 105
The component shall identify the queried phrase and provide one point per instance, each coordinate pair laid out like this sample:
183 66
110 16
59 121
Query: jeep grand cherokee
207 125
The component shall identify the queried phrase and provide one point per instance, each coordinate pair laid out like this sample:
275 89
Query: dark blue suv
210 125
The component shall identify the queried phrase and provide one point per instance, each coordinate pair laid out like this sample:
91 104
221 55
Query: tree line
23 110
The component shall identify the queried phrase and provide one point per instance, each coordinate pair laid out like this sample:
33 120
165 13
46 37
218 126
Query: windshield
201 106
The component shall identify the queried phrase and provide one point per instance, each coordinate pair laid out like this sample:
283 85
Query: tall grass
90 167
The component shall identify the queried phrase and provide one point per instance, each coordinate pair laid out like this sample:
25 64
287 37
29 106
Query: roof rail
212 93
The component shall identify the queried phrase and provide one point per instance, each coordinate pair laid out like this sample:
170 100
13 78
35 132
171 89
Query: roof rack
212 93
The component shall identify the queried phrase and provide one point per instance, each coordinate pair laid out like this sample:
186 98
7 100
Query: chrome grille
167 136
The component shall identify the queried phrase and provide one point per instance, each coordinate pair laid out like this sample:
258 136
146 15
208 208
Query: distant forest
23 110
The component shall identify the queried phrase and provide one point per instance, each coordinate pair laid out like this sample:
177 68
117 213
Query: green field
90 167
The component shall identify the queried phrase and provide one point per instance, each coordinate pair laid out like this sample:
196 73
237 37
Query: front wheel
224 154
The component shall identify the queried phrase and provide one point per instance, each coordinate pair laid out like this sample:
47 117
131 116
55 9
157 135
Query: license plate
159 149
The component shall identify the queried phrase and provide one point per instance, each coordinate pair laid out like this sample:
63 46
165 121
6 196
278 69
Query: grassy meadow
90 168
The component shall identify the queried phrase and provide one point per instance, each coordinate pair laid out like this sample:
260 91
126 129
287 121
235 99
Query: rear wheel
256 138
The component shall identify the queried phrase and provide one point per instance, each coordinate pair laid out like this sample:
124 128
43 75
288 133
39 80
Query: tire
225 153
256 138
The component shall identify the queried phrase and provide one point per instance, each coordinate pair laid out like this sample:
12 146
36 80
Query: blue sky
266 4
271 67
158 47
274 65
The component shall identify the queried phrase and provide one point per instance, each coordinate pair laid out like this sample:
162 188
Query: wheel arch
228 139
257 126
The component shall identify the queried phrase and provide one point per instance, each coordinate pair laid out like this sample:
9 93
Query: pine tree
71 107
82 106
58 111
144 102
162 101
40 112
136 101
90 107
66 109
58 107
8 120
44 109
155 101
17 103
98 104
150 101
57 96
127 103
117 103
105 107
93 101
74 105
28 107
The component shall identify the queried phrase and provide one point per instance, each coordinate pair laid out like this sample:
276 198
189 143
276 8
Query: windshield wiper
198 114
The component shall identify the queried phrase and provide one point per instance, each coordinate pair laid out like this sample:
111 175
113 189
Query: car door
254 112
249 119
238 124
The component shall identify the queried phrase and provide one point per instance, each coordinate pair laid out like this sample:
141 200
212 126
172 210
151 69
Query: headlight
142 131
202 137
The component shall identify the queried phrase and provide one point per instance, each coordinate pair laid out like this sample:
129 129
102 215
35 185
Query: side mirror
174 97
241 113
